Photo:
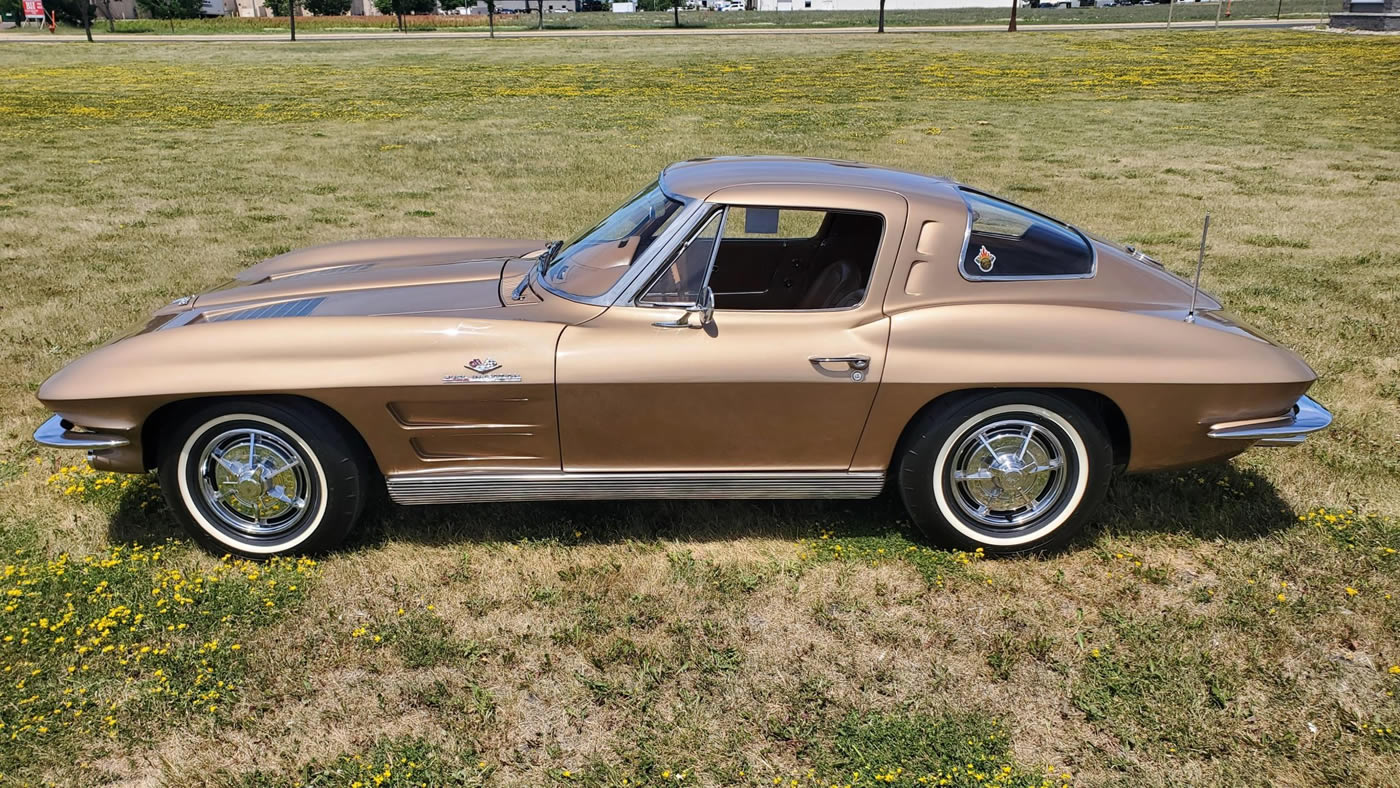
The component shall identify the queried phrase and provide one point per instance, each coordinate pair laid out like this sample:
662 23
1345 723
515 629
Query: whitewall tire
1007 472
243 480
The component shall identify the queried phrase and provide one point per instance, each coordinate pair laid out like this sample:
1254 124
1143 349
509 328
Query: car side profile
744 327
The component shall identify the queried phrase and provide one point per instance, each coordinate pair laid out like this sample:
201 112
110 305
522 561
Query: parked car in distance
742 327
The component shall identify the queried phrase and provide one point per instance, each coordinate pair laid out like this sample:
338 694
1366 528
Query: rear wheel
264 478
1009 472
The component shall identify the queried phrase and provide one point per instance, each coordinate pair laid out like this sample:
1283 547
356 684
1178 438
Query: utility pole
1171 5
292 11
1219 5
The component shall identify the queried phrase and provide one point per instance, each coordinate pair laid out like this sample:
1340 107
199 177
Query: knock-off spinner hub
251 487
1007 473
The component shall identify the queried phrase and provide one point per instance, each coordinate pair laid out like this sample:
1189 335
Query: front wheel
1009 472
263 478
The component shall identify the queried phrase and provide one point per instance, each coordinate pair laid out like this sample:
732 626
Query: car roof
699 178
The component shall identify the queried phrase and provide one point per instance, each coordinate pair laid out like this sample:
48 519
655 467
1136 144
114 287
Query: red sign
33 8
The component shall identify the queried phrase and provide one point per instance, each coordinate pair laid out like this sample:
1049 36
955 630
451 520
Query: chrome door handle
854 362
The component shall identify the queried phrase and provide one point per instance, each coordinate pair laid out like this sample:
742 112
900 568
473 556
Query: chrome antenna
1200 261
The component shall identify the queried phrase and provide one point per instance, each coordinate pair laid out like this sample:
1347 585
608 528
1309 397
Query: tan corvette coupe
741 328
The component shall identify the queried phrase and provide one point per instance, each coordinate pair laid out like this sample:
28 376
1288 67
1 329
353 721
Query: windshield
596 259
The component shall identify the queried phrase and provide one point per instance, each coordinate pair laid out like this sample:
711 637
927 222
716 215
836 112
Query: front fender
395 379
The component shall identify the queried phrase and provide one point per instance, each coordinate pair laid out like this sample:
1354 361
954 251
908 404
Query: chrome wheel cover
254 482
1007 474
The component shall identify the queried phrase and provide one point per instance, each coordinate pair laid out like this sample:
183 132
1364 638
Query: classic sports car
751 327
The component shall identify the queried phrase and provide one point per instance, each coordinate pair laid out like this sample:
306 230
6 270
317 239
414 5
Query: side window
795 258
1008 241
680 281
774 259
774 223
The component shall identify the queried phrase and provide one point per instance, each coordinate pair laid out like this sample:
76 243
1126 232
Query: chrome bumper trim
58 434
1306 418
494 487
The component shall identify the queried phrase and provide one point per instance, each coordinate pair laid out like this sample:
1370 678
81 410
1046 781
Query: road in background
684 31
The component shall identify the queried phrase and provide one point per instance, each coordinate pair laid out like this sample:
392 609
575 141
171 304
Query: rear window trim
963 191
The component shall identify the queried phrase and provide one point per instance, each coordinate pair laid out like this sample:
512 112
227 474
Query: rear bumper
59 434
1290 429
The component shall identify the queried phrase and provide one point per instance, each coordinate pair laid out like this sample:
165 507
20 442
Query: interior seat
840 284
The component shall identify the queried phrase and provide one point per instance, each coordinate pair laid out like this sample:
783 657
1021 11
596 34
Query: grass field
1232 625
1303 11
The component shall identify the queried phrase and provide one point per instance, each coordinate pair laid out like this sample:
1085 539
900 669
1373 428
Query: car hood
394 276
386 253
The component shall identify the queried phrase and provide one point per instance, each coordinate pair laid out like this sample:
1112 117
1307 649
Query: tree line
80 12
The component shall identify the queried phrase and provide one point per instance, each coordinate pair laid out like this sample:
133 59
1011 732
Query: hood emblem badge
985 260
481 366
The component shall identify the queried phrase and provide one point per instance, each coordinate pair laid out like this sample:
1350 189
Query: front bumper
1290 429
57 433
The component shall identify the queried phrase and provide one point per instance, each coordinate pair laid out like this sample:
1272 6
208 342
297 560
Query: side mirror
704 309
697 315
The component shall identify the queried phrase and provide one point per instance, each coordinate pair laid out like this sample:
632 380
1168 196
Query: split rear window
1010 242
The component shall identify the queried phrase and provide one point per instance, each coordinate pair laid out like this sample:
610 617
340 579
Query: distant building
518 6
868 5
121 9
127 9
1368 15
256 8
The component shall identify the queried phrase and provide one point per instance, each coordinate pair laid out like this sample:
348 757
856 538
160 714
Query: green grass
958 749
1301 10
393 763
1232 625
99 652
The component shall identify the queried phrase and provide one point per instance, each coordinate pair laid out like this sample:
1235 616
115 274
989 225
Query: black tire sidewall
918 460
338 471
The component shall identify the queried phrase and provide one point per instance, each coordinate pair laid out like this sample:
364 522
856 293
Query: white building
871 5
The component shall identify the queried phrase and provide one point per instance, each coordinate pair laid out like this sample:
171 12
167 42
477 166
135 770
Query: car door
751 390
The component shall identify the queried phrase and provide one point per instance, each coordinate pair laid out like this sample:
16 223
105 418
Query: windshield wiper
519 291
548 254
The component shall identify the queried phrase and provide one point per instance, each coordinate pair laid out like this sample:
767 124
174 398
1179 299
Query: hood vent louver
299 308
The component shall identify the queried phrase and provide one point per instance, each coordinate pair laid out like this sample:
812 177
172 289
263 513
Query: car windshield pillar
596 260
